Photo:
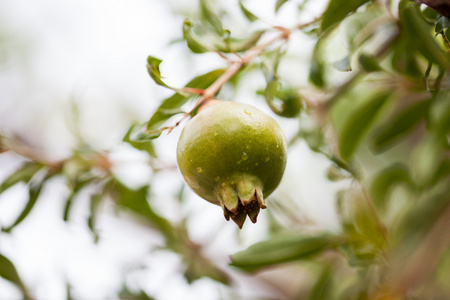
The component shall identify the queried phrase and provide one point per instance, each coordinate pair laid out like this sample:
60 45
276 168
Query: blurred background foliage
376 106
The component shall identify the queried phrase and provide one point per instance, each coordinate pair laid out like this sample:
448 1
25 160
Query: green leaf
343 65
193 41
442 24
9 272
385 180
279 3
75 187
23 174
365 220
153 70
400 125
430 14
442 173
440 113
419 218
334 173
356 27
281 249
251 17
211 17
126 294
312 134
270 91
197 266
358 123
323 286
405 58
419 35
34 190
93 208
131 138
283 102
317 66
369 63
213 42
171 105
233 45
337 10
135 200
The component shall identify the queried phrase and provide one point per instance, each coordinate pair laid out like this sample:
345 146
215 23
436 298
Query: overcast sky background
94 52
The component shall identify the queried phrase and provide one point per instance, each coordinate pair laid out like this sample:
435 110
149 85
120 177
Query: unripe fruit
232 155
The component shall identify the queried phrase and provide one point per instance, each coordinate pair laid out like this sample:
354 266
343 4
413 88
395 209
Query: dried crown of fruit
232 155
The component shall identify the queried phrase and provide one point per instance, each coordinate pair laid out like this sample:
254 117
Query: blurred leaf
405 58
418 33
153 70
136 201
360 254
343 65
180 193
147 136
369 63
34 189
126 294
170 106
312 134
442 173
337 10
291 104
23 174
233 45
211 17
284 102
251 17
213 42
359 122
334 173
95 201
365 219
323 286
302 5
279 3
69 292
281 249
198 267
385 180
420 217
356 27
75 187
317 66
9 272
442 24
193 41
143 145
440 113
271 90
399 125
430 14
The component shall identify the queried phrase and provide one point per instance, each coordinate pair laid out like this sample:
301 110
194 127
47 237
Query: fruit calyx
241 197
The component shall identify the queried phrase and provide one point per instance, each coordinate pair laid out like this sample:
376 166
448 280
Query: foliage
385 128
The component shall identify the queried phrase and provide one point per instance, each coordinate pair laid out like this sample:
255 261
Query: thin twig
233 69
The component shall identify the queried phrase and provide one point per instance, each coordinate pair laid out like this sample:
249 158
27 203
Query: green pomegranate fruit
232 155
